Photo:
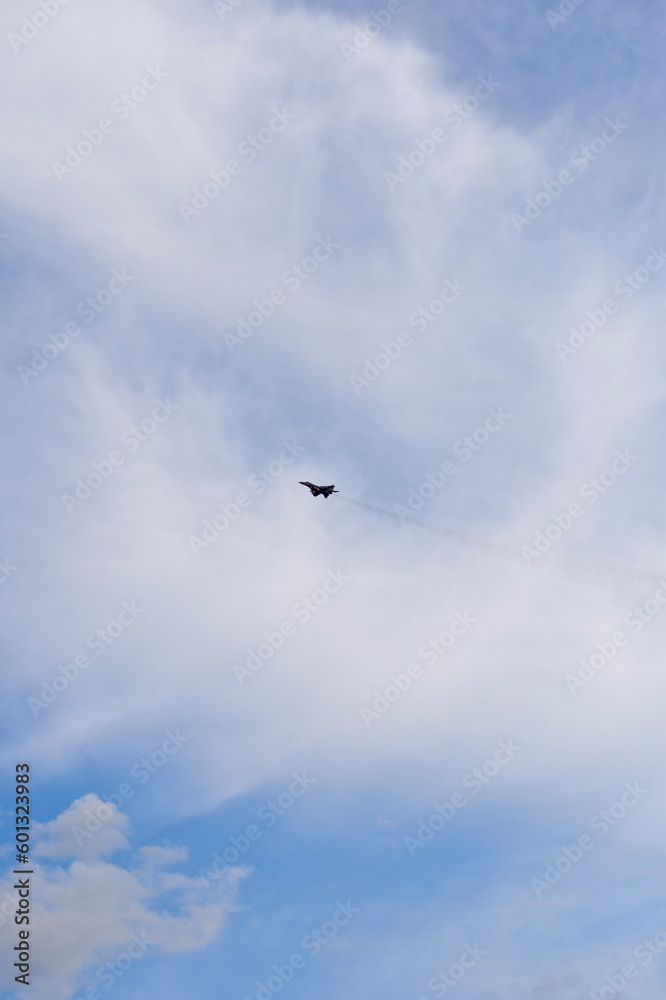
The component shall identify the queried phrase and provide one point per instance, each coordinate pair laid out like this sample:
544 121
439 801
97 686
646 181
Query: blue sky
456 312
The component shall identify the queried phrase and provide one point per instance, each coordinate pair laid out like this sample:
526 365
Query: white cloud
92 911
122 204
89 829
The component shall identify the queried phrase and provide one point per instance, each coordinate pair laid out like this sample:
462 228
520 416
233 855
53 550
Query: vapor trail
459 536
572 565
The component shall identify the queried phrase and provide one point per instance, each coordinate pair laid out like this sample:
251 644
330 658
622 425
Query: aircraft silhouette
319 491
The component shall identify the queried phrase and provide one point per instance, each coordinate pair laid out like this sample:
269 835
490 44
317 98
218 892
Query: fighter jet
319 491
